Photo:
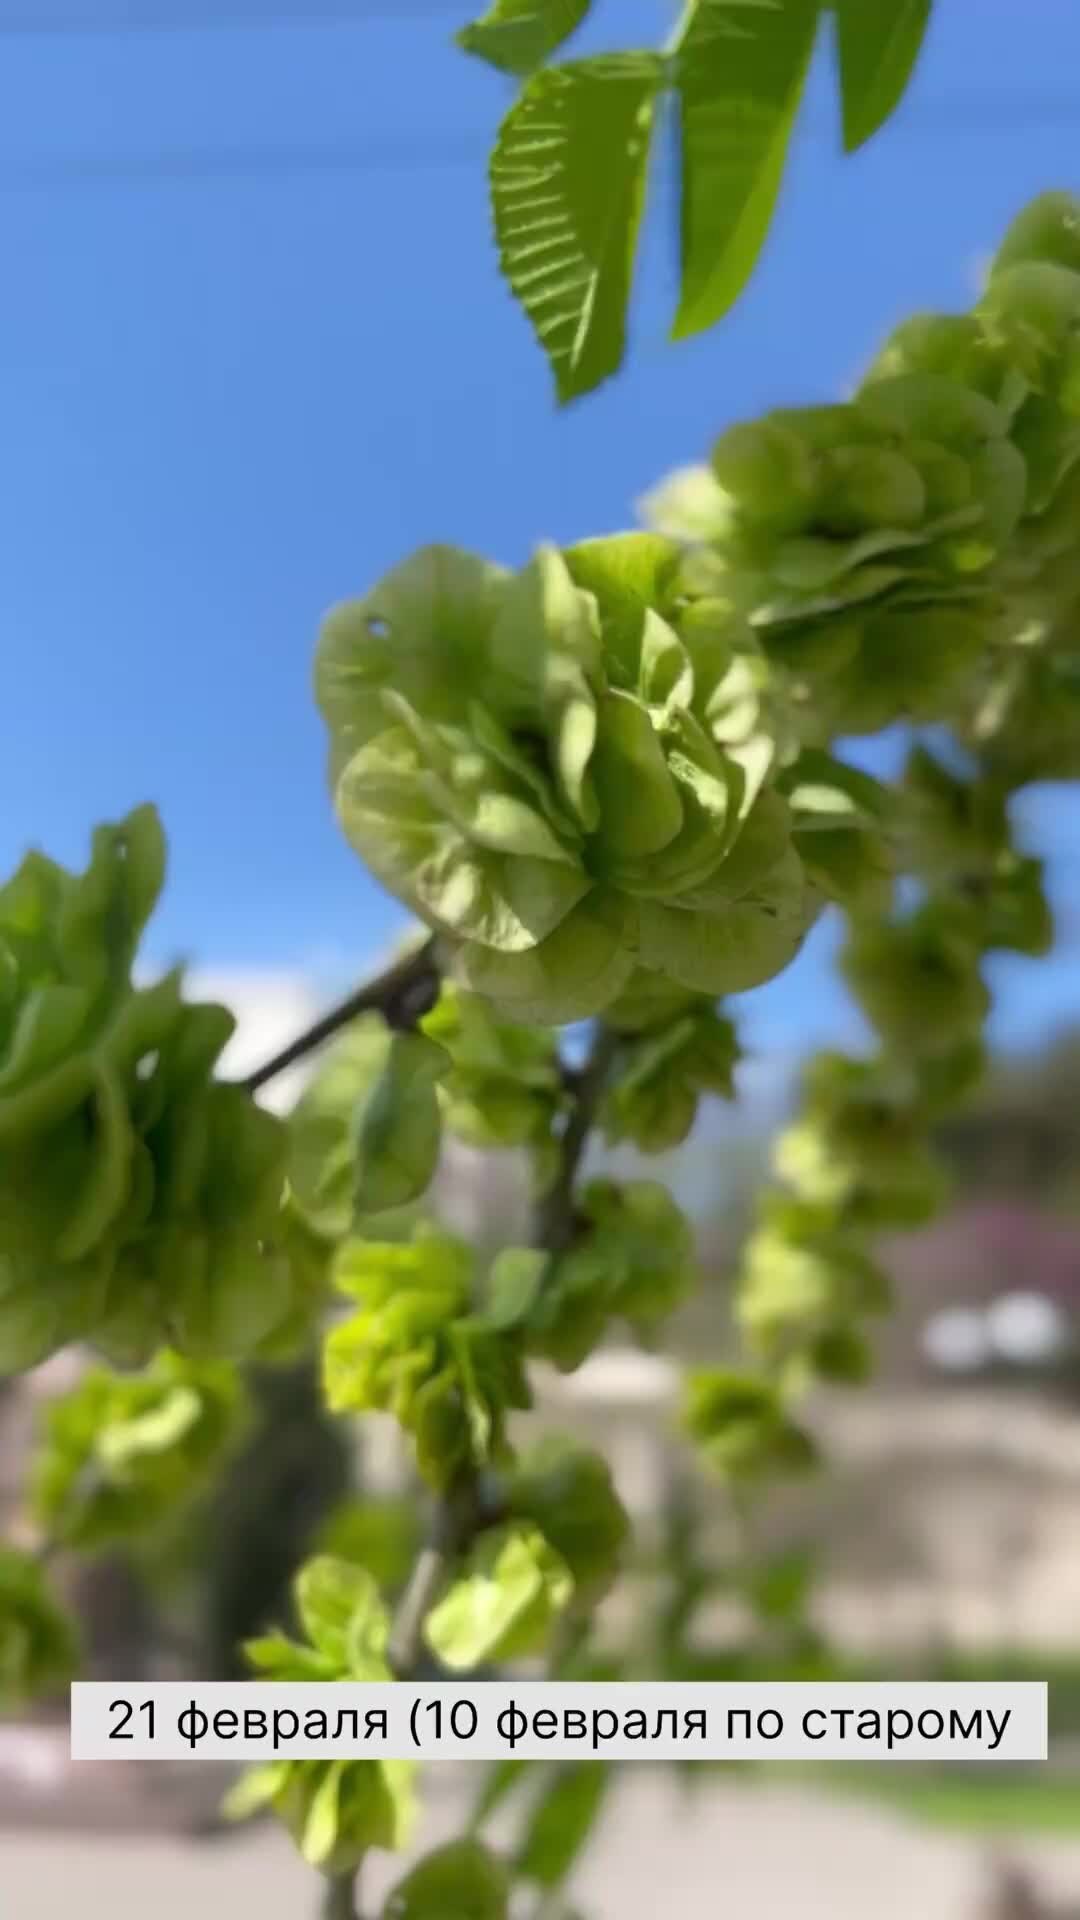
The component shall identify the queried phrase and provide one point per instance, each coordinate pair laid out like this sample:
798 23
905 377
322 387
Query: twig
407 1642
403 994
467 1508
339 1900
555 1218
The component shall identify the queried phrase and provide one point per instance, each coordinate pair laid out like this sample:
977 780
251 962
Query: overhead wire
38 23
377 153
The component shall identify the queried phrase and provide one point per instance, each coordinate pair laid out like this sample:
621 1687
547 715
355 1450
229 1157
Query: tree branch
339 1900
470 1505
403 994
555 1216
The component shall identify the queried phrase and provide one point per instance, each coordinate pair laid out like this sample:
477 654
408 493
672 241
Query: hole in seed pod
146 1066
378 627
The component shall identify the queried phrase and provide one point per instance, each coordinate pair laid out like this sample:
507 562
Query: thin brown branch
339 1900
402 994
555 1218
468 1508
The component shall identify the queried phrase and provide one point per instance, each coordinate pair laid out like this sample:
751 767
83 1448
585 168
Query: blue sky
254 348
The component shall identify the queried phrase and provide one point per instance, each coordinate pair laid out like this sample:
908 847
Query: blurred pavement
729 1848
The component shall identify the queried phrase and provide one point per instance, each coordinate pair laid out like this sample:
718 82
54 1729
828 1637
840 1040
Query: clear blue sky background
253 348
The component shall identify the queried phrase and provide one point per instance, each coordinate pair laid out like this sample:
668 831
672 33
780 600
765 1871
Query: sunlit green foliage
336 1810
619 785
121 1449
38 1645
138 1194
569 166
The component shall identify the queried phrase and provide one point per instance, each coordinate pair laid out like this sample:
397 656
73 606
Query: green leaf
398 1130
1048 228
514 1283
825 793
779 1588
878 43
162 1427
568 186
561 1823
121 1449
38 1645
567 1492
321 1827
285 1659
322 1157
742 1427
462 1881
382 1535
511 1588
740 71
519 35
342 1615
255 1789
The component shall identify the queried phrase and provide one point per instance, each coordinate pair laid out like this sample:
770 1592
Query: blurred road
770 1852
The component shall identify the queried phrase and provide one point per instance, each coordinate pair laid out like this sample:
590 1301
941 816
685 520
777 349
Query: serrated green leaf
740 72
568 186
517 36
878 43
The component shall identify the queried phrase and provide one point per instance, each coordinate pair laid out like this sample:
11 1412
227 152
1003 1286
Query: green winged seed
461 1881
511 1588
397 1129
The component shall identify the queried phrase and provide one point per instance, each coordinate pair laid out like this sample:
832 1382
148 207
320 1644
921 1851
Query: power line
33 24
376 155
381 153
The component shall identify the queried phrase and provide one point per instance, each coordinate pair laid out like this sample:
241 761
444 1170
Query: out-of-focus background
253 348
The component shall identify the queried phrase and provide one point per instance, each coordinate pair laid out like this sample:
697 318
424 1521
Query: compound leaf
740 72
568 186
877 47
517 36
